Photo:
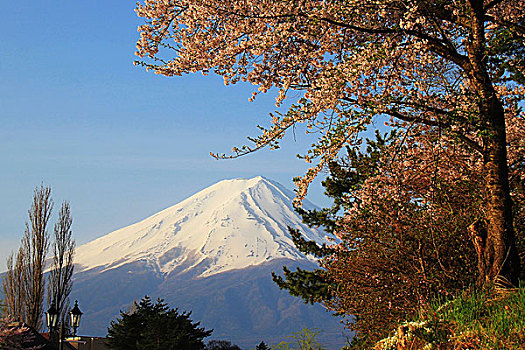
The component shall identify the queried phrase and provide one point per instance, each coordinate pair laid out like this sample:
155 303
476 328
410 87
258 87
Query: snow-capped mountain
211 254
230 225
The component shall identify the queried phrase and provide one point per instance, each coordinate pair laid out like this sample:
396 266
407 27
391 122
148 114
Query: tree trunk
499 253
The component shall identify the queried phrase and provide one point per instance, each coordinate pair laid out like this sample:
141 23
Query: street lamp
75 315
52 317
54 324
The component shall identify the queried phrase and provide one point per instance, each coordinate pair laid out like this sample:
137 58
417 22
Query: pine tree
155 326
345 175
262 346
221 345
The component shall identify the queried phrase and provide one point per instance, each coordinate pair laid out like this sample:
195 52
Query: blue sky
119 143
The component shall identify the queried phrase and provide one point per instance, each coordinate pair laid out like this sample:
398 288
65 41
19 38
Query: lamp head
52 317
75 315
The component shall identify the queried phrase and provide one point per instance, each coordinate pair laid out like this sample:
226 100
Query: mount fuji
212 254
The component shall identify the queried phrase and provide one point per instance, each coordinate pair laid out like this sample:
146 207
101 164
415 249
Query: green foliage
489 319
357 343
262 346
506 54
345 176
302 340
155 326
221 345
311 286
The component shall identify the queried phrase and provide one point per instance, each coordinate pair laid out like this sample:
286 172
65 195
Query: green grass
488 319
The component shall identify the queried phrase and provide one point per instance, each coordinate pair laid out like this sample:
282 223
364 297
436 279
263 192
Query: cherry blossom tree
17 335
454 66
406 228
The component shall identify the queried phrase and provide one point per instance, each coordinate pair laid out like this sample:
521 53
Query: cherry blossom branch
502 22
492 4
436 123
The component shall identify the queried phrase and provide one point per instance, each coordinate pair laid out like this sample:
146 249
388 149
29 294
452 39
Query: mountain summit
213 254
231 225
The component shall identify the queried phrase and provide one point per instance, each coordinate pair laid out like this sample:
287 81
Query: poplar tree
61 273
24 284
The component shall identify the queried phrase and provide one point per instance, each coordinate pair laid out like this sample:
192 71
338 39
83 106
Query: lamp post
53 322
52 317
75 315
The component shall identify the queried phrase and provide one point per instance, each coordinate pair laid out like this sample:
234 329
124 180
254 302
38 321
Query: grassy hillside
493 319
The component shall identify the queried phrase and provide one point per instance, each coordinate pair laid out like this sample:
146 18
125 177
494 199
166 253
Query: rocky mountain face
213 254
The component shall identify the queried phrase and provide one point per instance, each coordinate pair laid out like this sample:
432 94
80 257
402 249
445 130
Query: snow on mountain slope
230 225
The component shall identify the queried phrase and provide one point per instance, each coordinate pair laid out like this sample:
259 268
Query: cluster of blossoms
449 76
354 61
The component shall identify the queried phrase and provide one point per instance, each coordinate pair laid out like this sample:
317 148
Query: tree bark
500 255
